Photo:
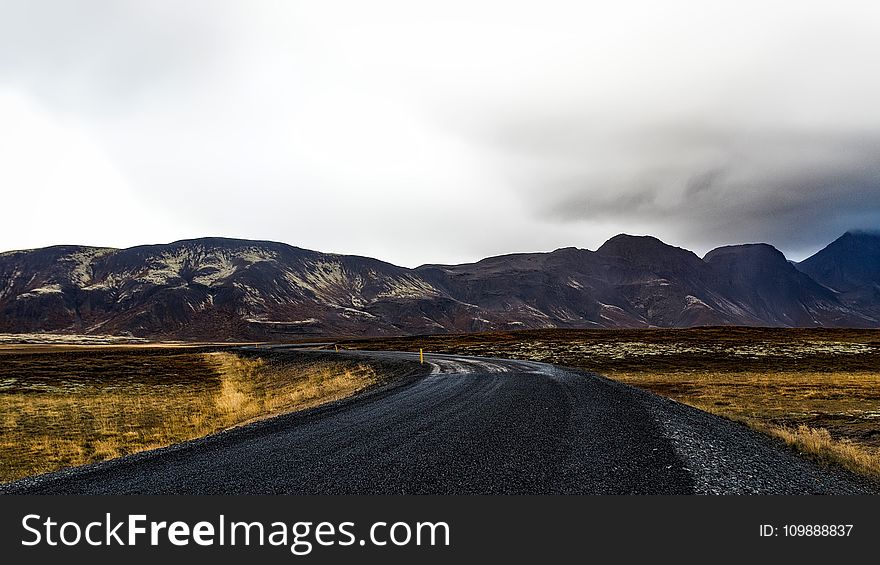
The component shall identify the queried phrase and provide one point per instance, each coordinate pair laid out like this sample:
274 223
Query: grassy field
817 390
64 406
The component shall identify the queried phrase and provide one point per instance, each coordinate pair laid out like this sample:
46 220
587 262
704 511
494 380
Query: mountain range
223 289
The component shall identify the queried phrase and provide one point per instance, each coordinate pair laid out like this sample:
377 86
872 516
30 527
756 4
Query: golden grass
51 421
819 444
251 388
830 416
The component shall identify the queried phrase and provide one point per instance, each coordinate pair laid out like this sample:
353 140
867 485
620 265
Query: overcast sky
439 131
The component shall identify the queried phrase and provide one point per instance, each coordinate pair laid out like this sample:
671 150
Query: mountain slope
208 288
850 265
668 286
216 288
850 262
761 281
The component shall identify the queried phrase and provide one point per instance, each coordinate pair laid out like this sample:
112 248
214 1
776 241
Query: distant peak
626 241
855 240
745 250
629 246
861 233
212 243
849 262
629 238
217 240
570 251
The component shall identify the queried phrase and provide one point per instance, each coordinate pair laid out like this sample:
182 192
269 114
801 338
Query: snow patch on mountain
48 289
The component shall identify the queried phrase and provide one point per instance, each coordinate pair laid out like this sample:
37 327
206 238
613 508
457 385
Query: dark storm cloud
705 171
796 190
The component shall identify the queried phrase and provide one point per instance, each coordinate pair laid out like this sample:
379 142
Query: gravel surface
726 457
471 426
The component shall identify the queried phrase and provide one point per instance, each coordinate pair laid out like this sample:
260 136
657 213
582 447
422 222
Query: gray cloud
484 127
794 189
783 146
791 190
99 56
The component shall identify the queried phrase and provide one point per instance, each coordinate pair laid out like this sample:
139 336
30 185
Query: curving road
470 426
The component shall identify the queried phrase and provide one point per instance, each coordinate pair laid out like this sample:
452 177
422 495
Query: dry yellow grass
819 444
53 423
830 416
251 388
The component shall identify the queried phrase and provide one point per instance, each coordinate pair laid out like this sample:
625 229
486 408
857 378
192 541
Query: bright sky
448 131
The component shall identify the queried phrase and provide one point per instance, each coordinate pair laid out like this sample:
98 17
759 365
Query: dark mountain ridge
219 288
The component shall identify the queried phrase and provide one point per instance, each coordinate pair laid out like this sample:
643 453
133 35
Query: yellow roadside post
421 356
336 346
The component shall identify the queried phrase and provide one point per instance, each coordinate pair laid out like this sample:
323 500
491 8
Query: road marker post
421 356
336 346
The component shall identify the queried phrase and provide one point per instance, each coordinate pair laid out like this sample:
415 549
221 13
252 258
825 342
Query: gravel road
470 426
